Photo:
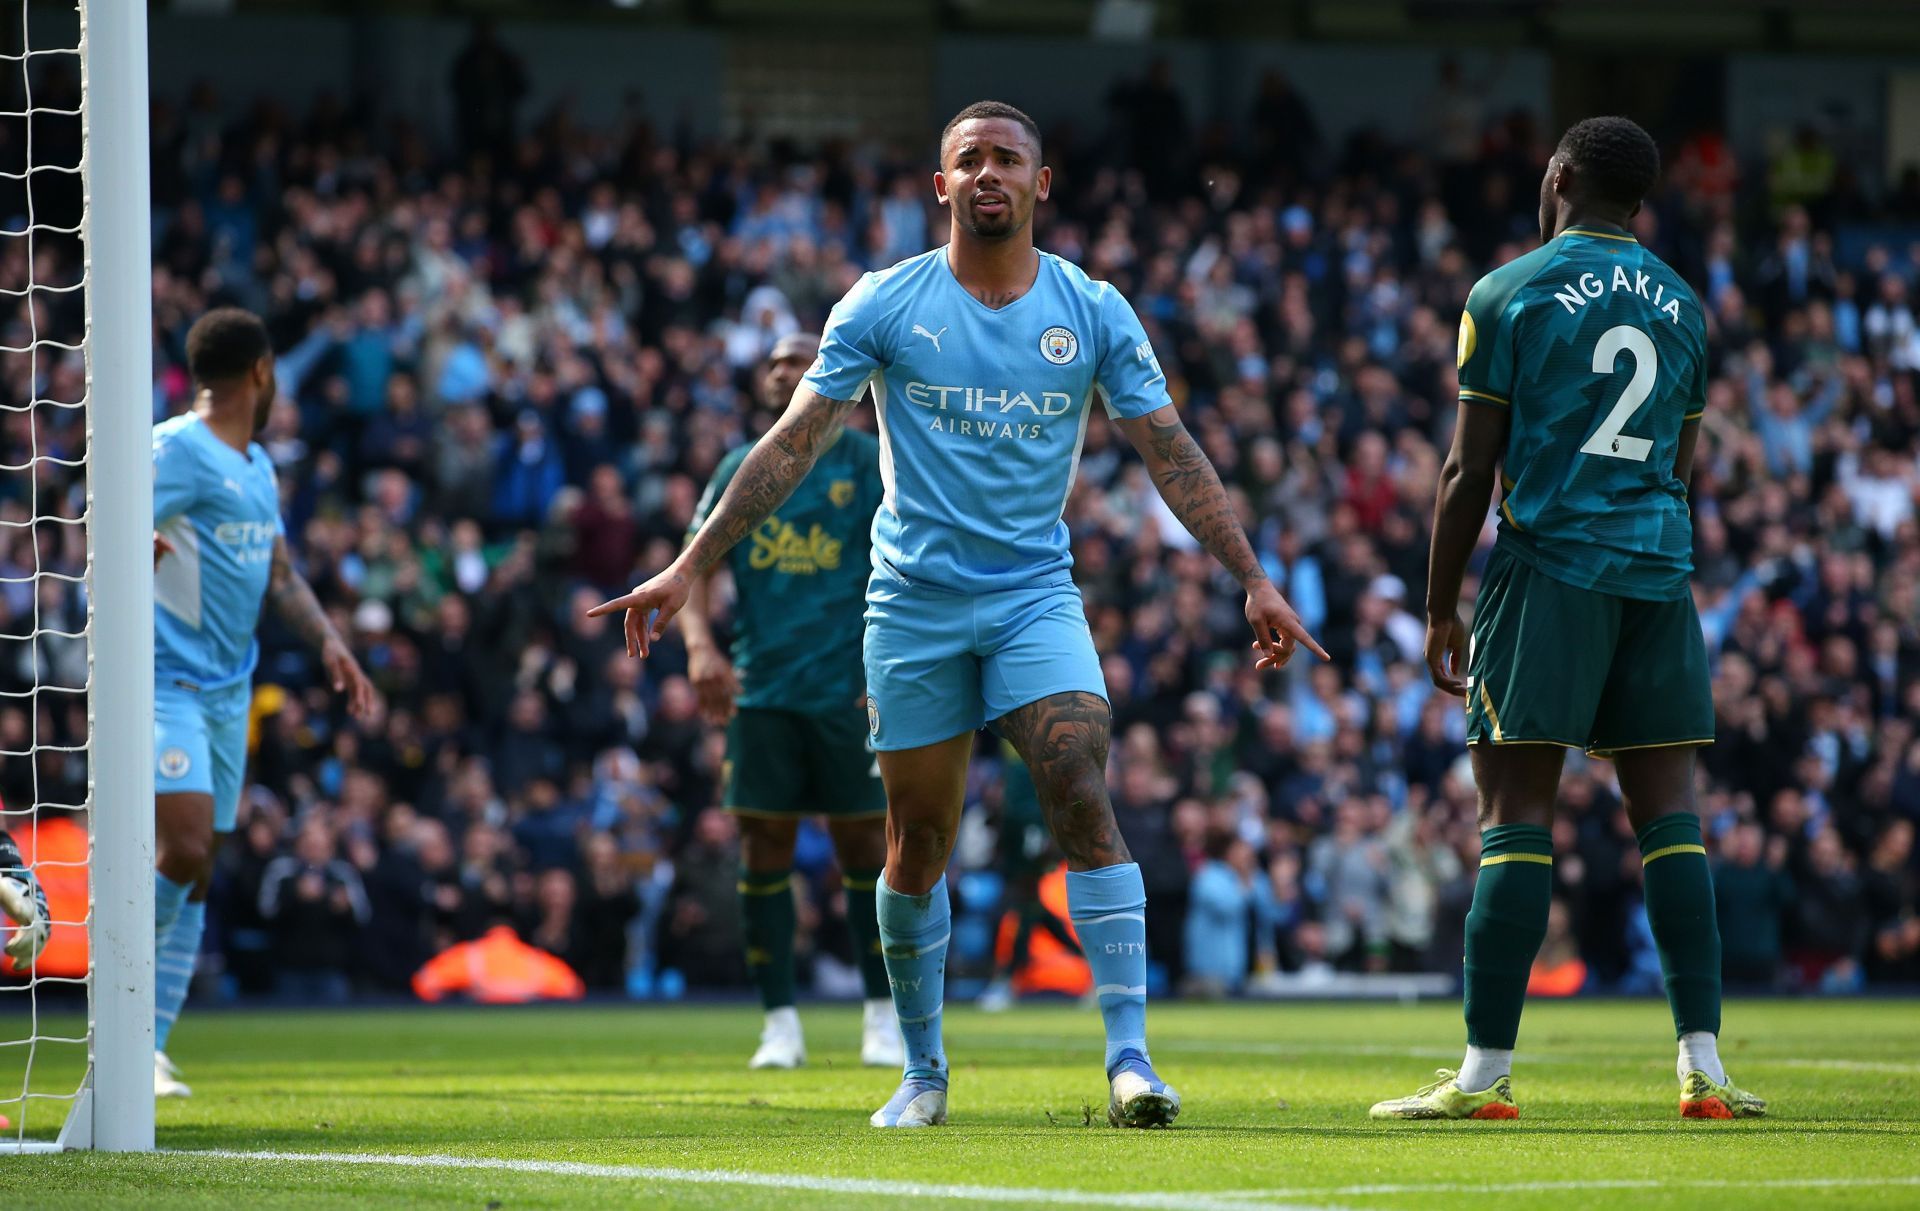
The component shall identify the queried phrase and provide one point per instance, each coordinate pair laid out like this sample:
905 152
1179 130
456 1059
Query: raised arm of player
1192 489
293 600
779 461
1466 488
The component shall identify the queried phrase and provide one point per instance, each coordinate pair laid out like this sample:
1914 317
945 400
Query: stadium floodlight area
76 514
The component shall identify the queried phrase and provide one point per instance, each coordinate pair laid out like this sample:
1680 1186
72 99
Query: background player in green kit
1582 380
793 701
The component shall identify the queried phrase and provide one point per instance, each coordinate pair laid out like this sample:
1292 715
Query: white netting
44 616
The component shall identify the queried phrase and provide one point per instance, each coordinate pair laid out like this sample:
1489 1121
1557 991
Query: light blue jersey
221 510
982 412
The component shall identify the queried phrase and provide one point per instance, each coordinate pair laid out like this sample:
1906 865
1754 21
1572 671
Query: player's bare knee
185 856
1655 783
917 855
1503 808
766 844
860 844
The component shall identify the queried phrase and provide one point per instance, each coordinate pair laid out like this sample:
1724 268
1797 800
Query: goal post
76 524
116 232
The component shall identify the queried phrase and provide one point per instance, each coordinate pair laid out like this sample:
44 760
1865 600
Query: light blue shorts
942 664
200 744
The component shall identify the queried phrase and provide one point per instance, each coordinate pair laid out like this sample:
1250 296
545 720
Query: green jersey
1599 351
801 579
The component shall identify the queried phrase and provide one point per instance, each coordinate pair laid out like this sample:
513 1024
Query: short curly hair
1616 161
991 109
225 344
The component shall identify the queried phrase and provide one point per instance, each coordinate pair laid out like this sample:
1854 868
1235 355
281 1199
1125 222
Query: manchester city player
986 358
1583 369
220 548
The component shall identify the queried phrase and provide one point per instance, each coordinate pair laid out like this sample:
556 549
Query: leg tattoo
1063 739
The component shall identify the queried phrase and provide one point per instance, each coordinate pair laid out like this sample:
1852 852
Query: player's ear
940 187
263 370
1043 183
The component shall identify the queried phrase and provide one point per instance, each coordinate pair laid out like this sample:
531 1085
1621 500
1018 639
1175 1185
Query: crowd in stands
510 363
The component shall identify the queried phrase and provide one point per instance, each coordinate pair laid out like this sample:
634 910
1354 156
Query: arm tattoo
1063 739
1192 489
768 476
294 602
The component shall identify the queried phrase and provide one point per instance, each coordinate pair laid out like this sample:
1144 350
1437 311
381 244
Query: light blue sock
913 938
174 961
168 896
1109 910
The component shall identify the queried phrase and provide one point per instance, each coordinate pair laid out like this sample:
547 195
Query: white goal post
111 1108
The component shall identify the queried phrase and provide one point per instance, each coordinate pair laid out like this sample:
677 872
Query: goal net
76 601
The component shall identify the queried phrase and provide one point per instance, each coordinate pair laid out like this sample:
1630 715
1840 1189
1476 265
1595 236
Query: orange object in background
1050 967
1563 979
497 968
56 849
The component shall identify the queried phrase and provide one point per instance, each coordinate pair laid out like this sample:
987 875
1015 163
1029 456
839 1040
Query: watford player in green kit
1582 383
792 699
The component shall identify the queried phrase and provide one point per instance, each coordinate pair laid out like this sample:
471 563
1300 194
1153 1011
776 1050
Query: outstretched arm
294 602
1466 488
1192 489
765 479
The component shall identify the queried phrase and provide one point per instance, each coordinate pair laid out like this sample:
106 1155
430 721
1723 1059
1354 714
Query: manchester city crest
175 763
1058 345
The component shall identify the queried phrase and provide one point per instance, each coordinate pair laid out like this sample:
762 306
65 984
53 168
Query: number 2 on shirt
1606 440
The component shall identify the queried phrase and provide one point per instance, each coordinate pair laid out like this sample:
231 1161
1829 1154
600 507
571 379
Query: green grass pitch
654 1107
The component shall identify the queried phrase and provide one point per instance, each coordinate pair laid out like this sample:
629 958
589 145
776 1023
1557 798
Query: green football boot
1701 1098
1445 1099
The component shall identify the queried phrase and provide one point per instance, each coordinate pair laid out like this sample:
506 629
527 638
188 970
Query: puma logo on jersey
233 486
919 330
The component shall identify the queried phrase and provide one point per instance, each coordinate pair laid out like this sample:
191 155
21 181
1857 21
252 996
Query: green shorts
786 763
1556 664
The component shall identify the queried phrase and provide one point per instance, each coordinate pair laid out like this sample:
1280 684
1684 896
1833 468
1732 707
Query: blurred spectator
702 934
1220 915
1753 894
314 905
1830 923
1350 871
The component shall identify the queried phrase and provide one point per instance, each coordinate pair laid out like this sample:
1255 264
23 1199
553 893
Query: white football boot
918 1102
880 1042
166 1078
781 1044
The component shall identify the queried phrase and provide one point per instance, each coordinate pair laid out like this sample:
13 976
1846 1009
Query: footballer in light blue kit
220 549
987 359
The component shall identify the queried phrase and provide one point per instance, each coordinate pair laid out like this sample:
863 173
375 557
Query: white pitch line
1625 1183
1844 1065
1198 1200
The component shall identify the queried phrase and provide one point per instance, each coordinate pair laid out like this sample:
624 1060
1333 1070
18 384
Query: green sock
1505 927
863 923
1680 910
766 902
